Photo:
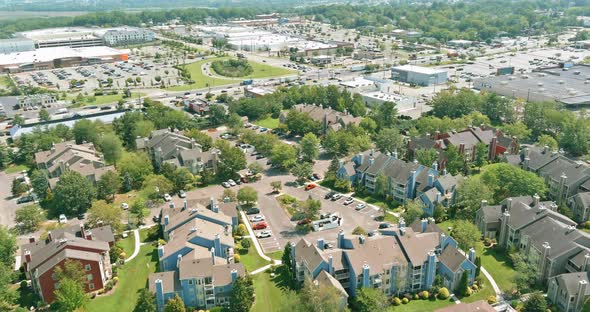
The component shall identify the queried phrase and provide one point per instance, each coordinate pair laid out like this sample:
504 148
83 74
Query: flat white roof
420 69
50 54
357 82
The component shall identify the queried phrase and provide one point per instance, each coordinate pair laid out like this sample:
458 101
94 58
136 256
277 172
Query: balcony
570 267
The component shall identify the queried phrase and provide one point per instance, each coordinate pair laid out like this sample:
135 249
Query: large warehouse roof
419 69
571 87
50 54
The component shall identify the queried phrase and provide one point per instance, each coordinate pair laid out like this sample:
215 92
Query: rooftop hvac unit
503 82
541 90
572 92
587 82
561 82
540 84
542 74
511 78
525 76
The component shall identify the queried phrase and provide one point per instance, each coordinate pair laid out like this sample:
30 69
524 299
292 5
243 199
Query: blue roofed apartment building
197 261
405 180
401 259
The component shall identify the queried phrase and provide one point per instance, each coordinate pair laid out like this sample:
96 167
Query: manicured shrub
443 293
246 244
236 258
469 291
415 297
474 287
405 300
23 284
492 299
115 280
424 295
396 301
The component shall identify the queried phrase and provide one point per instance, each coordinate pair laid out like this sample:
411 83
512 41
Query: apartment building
549 240
196 263
89 247
328 118
402 259
82 158
569 291
167 146
404 180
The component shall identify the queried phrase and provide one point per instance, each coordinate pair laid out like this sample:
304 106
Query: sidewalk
256 243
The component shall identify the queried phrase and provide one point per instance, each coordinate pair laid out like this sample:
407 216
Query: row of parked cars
335 196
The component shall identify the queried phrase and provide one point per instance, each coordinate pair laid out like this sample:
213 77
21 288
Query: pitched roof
178 216
466 137
452 258
492 213
309 253
102 233
570 282
65 254
583 199
380 252
399 171
377 163
59 149
170 281
328 280
559 236
574 171
220 271
417 245
448 181
539 158
477 306
181 236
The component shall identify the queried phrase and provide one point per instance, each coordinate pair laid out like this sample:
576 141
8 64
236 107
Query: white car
167 197
264 234
360 206
124 206
181 194
225 184
63 219
257 218
231 182
348 201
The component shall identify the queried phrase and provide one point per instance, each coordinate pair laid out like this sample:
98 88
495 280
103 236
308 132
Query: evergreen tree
463 284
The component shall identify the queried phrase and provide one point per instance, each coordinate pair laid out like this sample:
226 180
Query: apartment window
190 282
91 286
198 282
89 277
87 267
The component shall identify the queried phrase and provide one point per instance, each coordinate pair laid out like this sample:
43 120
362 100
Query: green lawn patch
128 244
102 99
422 305
481 294
270 291
288 202
132 278
370 199
15 169
203 81
277 255
250 258
268 122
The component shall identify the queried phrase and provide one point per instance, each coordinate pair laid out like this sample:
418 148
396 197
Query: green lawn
421 305
482 294
277 255
203 81
251 259
128 244
377 201
495 261
15 169
268 122
270 292
132 278
104 99
5 82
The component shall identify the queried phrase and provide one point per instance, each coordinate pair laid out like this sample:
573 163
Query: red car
259 226
310 186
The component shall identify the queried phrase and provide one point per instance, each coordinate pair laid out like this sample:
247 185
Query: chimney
212 252
484 203
217 244
82 230
546 251
493 146
443 238
362 239
586 262
159 292
178 260
226 199
525 164
553 206
582 284
435 166
27 256
320 243
234 275
462 148
340 242
88 235
184 205
166 219
402 223
211 202
536 199
394 155
508 204
31 239
366 275
444 172
437 198
160 251
437 135
424 224
49 236
371 160
330 265
430 180
471 255
545 149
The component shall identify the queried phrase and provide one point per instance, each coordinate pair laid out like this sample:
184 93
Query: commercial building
417 75
460 43
16 45
569 86
256 92
402 259
89 247
76 37
49 58
36 100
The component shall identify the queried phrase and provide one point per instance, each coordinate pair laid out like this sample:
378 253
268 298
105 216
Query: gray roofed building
170 281
379 253
580 204
569 291
452 258
329 119
417 245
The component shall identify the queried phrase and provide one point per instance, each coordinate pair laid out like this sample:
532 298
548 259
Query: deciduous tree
73 194
310 147
106 214
29 218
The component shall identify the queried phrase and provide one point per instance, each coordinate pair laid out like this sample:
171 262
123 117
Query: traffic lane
9 205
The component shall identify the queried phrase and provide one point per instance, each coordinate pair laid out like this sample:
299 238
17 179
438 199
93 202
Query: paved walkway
497 290
137 246
256 243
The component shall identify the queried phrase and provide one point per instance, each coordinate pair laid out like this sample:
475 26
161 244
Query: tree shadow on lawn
281 278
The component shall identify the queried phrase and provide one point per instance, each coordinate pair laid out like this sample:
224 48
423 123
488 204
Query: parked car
328 246
231 182
259 156
259 226
264 234
26 199
317 176
167 197
257 218
80 216
310 186
181 194
63 219
360 206
348 201
384 225
336 196
156 219
226 185
124 206
252 211
329 194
